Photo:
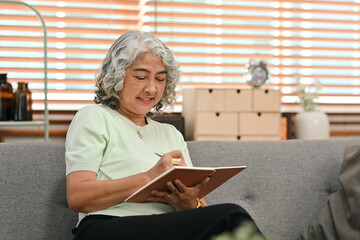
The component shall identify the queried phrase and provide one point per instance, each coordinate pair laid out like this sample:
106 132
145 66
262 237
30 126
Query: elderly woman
110 153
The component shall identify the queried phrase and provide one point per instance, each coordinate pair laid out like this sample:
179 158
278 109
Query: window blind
212 39
79 35
314 40
320 40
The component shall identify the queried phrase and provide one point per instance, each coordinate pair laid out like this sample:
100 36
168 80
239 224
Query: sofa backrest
33 196
283 188
285 184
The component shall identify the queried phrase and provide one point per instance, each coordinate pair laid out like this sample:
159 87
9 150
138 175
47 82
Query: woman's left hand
180 196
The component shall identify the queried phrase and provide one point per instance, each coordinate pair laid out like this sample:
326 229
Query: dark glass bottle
21 103
29 102
6 98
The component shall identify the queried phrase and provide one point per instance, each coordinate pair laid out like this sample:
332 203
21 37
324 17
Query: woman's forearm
87 194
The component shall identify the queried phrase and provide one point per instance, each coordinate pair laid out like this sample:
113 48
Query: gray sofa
283 188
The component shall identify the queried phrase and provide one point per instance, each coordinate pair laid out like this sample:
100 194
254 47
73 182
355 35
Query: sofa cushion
285 184
33 195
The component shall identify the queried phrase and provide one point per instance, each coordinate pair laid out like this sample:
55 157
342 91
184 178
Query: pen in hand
174 161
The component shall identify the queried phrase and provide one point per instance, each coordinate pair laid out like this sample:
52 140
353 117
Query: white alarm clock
257 73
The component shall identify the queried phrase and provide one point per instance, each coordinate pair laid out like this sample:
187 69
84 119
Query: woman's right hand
164 163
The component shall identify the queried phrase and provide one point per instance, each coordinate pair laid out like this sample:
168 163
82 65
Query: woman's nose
150 86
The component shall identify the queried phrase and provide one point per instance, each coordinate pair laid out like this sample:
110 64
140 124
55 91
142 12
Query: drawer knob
238 137
238 91
210 90
259 114
266 91
217 114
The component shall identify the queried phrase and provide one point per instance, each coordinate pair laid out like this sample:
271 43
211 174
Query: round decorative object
257 73
312 125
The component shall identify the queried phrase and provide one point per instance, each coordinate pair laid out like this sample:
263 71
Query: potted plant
307 95
310 123
247 231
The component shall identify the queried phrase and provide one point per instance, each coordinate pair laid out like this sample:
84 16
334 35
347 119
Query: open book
190 176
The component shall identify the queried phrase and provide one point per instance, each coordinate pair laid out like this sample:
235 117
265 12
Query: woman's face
144 85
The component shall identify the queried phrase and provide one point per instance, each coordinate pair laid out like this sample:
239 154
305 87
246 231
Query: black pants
201 223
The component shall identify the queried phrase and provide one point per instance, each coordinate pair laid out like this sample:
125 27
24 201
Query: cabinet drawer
265 100
238 99
259 123
209 99
216 123
237 138
216 138
260 137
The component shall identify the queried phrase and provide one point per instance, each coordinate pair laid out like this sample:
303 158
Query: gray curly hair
121 55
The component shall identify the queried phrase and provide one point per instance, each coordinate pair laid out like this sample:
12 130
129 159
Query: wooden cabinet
226 114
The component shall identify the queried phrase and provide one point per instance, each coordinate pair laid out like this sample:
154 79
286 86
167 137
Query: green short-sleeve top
102 140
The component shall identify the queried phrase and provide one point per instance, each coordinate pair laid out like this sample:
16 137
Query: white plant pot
312 125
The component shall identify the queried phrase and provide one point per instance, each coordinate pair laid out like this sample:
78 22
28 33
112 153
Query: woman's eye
140 78
160 79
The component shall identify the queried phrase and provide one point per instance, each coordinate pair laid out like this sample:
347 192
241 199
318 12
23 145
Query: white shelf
44 123
20 123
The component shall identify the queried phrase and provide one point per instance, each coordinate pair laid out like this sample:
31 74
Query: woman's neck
139 120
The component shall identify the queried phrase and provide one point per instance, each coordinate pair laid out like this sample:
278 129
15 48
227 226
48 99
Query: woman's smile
146 100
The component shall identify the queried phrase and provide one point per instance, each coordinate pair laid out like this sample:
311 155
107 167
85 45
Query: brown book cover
190 176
